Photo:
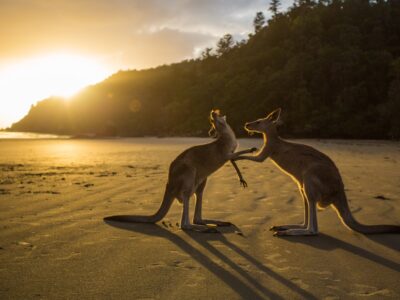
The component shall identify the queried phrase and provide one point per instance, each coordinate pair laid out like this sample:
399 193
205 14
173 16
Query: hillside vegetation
332 66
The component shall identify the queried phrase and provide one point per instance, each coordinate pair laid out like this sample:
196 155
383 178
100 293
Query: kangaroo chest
289 165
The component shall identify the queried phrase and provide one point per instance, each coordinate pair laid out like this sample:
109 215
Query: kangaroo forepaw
243 183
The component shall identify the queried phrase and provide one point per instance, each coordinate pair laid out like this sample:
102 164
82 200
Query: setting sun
30 80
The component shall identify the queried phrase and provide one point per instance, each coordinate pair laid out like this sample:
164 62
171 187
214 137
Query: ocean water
29 135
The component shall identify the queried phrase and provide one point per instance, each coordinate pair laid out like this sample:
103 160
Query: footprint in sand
290 200
325 275
276 257
182 265
300 283
362 290
174 252
192 284
367 290
281 269
154 265
195 280
27 245
177 263
261 198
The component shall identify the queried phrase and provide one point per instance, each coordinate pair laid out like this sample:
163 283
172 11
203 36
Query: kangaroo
316 175
188 175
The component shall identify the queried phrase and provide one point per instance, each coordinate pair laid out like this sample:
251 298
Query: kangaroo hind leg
184 196
312 194
294 226
185 222
198 219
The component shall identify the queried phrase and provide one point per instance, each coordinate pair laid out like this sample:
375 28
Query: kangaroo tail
345 214
162 211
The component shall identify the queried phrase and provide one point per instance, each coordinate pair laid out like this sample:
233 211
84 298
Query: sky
57 47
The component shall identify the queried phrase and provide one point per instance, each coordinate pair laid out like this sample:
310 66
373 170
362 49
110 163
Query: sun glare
25 82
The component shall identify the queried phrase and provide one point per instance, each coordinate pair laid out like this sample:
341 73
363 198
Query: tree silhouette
312 2
225 44
259 21
334 68
274 6
207 53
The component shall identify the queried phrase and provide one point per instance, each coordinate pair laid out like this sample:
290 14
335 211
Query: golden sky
39 38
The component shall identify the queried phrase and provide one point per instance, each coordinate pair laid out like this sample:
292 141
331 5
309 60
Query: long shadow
241 288
204 242
326 242
391 241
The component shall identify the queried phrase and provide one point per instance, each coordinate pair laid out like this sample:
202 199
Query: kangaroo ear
211 114
274 116
214 113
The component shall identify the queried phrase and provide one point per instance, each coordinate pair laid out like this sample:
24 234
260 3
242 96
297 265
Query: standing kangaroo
188 175
316 175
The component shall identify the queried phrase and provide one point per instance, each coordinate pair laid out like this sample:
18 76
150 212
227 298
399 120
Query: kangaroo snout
248 125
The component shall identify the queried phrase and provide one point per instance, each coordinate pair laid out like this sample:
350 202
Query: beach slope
54 243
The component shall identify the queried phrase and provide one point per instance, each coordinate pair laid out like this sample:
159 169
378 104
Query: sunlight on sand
54 195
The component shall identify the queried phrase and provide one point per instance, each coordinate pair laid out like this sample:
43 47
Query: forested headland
333 66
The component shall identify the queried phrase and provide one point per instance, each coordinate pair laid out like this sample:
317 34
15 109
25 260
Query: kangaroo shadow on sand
388 240
326 242
247 288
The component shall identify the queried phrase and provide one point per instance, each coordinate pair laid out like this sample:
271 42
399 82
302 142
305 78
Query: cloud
169 30
162 46
118 34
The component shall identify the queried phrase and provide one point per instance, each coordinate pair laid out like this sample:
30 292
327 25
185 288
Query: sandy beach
54 243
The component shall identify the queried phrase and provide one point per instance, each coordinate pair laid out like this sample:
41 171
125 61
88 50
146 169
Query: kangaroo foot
297 231
285 227
214 222
200 228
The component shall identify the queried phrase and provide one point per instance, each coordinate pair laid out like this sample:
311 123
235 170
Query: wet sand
54 243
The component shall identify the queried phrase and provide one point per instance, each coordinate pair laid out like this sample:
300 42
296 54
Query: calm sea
29 135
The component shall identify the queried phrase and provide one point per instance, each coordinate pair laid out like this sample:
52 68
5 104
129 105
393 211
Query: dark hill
334 68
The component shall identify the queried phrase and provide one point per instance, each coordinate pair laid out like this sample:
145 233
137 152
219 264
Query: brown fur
188 175
316 175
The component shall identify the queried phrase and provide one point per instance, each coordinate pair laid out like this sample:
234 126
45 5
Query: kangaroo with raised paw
316 175
188 175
